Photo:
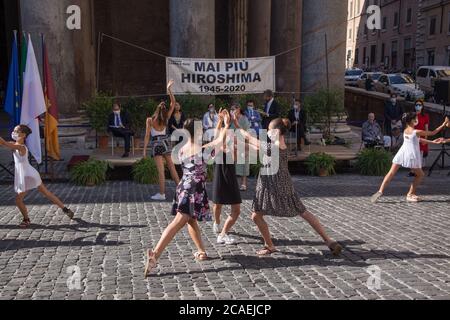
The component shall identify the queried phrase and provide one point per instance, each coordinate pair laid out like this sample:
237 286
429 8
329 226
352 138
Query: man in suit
271 109
393 113
298 118
119 125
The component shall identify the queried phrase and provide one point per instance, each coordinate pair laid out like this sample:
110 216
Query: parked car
401 84
428 75
361 83
352 76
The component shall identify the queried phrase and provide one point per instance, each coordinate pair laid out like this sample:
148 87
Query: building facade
185 28
391 48
433 36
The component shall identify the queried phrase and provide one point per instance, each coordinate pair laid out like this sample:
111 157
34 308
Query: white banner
221 76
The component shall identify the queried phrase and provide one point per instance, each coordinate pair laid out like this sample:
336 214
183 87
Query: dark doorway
9 21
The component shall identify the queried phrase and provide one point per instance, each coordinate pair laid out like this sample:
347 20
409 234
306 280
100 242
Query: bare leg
177 224
21 205
232 219
389 177
417 181
258 219
244 181
217 213
196 235
317 226
50 196
172 169
162 177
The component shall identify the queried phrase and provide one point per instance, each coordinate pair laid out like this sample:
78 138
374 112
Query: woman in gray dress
275 193
240 121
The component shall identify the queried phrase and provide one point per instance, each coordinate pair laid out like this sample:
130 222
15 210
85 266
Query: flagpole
45 124
15 109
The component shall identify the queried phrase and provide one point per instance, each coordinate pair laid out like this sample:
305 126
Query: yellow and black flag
52 115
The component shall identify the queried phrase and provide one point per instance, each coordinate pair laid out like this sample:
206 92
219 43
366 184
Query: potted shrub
145 172
374 162
321 164
255 169
89 173
139 112
98 110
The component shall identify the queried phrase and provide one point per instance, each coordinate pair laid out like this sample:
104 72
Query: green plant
374 162
194 106
255 169
89 173
321 164
98 110
145 171
139 112
322 106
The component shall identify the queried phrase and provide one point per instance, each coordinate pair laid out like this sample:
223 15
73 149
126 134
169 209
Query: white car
361 83
352 76
428 75
401 84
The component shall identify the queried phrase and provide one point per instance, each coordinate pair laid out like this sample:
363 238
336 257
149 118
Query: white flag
33 102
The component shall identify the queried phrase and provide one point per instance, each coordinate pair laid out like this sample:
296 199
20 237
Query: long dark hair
25 130
284 125
423 106
408 118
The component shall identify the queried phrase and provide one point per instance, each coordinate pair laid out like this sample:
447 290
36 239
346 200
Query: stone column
70 51
238 32
322 17
259 24
192 28
286 34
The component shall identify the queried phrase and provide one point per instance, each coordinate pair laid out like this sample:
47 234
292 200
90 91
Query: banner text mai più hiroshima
221 76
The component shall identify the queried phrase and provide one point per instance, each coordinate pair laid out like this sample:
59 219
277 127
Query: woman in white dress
409 156
26 178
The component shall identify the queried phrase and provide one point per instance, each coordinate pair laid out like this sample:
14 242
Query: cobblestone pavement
116 223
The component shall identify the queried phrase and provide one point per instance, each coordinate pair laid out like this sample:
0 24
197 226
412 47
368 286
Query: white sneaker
226 239
159 197
216 228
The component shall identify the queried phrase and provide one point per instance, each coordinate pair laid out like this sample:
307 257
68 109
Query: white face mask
273 135
296 107
117 113
250 107
394 101
15 136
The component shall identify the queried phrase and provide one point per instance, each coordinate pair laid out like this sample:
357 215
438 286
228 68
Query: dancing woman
26 178
409 156
191 203
160 145
275 193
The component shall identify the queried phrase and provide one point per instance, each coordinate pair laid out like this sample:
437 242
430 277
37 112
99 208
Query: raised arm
147 135
220 129
173 100
12 146
422 133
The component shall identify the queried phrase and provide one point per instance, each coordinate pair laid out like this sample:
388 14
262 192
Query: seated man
119 125
397 140
371 133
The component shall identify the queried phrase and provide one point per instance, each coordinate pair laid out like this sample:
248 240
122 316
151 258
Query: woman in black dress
226 192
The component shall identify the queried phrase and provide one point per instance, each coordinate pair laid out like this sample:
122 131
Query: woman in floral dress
191 202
